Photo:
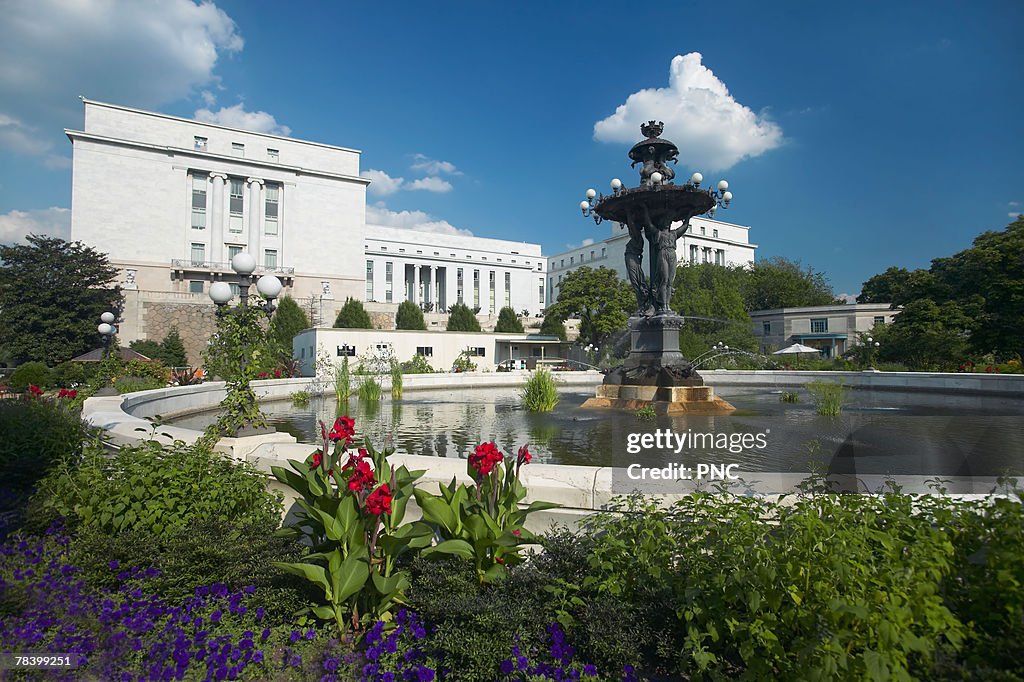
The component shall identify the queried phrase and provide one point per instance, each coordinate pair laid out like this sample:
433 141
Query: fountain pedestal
657 375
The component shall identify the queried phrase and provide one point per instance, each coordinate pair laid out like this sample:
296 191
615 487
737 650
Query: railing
189 264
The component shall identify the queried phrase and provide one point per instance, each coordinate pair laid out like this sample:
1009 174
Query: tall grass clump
370 389
540 394
789 397
828 397
342 381
396 380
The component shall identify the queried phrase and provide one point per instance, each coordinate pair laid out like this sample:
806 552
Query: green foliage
600 300
342 381
238 352
463 363
396 380
73 374
33 372
789 397
552 326
300 398
711 295
151 349
409 316
37 435
353 316
417 365
828 397
897 287
508 321
52 293
172 350
781 283
370 389
288 320
645 413
157 490
482 523
462 319
351 515
926 335
540 394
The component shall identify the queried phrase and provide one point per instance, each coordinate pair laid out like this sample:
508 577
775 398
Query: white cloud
209 99
431 184
381 183
137 53
379 214
53 221
1013 204
586 242
713 130
1013 214
430 166
849 298
237 117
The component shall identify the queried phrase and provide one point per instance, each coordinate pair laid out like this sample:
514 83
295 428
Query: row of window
201 144
459 287
819 325
236 204
451 255
199 254
582 256
697 251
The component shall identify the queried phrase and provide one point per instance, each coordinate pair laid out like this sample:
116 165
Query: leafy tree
409 316
508 321
552 326
52 293
462 319
288 320
709 295
172 350
926 335
598 298
148 347
781 283
353 316
898 286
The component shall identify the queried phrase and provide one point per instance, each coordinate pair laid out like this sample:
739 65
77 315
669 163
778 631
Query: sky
854 136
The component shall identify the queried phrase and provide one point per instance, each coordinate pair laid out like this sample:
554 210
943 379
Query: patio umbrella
797 349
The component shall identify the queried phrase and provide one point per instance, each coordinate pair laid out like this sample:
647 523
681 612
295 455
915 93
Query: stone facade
195 322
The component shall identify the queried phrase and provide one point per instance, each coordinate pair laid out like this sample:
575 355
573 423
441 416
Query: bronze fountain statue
655 372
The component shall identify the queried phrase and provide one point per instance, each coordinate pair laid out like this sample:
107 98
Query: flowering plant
351 510
483 522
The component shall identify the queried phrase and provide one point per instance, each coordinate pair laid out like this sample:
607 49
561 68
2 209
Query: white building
833 329
707 241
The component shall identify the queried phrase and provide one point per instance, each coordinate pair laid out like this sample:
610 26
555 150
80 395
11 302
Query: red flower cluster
318 459
67 393
363 476
35 390
524 456
344 428
485 457
379 501
277 373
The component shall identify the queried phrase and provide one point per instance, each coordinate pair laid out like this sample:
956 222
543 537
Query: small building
832 329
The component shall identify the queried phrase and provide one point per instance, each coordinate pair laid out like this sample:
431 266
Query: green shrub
396 380
409 316
353 316
369 389
35 373
158 490
300 398
552 326
789 397
508 321
540 394
342 381
73 374
130 384
828 397
417 365
463 363
646 413
462 319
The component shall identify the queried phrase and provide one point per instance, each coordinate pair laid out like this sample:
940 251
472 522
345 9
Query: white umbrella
797 349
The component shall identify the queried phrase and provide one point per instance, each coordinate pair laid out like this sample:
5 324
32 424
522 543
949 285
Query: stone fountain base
657 375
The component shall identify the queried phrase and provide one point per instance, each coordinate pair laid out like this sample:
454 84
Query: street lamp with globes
107 330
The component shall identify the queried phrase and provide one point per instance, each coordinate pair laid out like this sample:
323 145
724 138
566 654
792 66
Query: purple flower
294 637
114 565
506 667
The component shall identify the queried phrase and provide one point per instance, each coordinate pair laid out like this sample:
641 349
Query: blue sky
855 136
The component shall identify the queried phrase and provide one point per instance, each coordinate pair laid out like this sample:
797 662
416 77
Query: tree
462 319
709 296
781 283
52 293
409 316
552 326
353 316
151 349
897 286
598 298
926 335
172 350
508 321
289 319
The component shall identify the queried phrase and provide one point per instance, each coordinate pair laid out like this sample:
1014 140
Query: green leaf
312 572
351 576
324 612
391 585
457 547
435 510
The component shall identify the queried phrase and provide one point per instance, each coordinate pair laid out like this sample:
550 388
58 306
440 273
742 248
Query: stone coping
954 383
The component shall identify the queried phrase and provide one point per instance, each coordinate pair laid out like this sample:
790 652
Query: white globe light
696 179
591 193
727 197
616 184
220 292
269 287
584 205
656 177
105 329
877 344
870 339
725 347
107 317
243 263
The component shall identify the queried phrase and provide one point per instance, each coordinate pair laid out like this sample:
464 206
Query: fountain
655 373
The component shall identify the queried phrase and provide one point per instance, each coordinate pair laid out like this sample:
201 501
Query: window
270 258
819 325
477 352
235 205
703 230
508 289
425 351
476 288
273 197
195 286
233 250
572 259
198 253
563 263
273 155
199 143
458 285
369 280
719 257
693 254
540 292
235 291
591 255
237 149
766 328
880 319
603 252
491 287
389 276
199 181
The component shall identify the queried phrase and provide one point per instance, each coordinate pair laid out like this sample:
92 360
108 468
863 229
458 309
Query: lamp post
107 330
245 319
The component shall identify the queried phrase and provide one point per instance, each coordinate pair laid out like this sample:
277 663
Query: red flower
499 560
524 455
362 477
517 533
35 390
277 373
485 456
344 428
67 393
318 458
379 501
263 375
987 369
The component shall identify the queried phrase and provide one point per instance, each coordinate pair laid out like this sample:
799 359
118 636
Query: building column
433 287
416 283
255 218
217 182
